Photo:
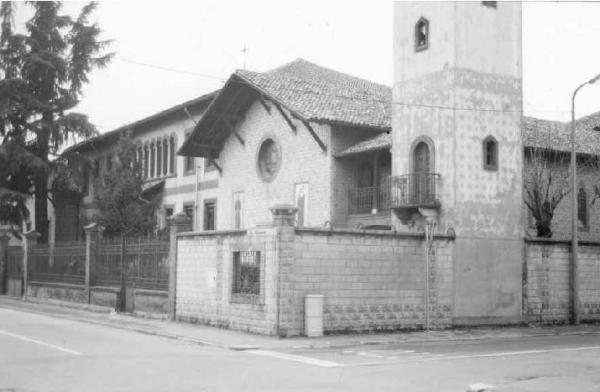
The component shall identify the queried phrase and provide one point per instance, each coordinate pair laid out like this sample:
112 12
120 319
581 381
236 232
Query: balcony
365 200
414 190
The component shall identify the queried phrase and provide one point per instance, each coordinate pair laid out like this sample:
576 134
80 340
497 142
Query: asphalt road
43 353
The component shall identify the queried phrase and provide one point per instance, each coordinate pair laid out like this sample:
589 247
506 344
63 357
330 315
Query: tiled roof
536 132
322 94
113 136
556 135
379 142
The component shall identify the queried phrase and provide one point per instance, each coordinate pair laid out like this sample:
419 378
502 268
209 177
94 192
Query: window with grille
246 272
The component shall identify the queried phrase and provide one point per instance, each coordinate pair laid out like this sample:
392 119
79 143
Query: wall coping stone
56 284
381 233
106 289
211 233
550 241
157 293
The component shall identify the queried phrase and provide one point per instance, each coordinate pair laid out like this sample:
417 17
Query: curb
112 324
242 347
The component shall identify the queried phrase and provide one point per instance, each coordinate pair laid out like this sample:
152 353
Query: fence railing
415 190
141 263
14 262
62 263
365 200
137 263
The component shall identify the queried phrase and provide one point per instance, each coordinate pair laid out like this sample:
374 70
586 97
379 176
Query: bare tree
546 183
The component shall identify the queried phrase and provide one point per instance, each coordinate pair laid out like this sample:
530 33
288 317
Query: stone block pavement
239 340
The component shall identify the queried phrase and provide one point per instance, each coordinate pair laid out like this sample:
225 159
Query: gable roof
114 135
308 91
536 133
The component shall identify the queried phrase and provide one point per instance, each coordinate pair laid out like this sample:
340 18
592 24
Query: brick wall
547 286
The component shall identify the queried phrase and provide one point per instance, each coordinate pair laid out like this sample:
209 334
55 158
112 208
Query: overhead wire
382 101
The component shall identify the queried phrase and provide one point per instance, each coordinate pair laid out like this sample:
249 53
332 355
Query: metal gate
131 264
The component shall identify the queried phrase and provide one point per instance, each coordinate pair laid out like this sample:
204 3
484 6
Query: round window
269 160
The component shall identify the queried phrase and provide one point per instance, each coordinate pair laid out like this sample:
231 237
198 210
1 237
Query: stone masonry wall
370 281
547 284
204 280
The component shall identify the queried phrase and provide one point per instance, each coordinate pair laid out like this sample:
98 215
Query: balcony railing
365 200
415 190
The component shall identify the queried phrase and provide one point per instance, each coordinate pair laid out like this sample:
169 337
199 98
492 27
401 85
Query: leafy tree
42 73
123 210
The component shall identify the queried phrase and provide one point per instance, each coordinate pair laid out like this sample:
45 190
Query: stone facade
450 96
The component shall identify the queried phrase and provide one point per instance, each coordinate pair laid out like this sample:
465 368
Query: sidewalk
237 340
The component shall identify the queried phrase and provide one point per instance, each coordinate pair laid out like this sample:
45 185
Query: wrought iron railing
365 200
415 190
63 263
145 263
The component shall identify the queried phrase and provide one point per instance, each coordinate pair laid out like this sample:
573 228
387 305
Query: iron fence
140 263
62 263
365 200
415 190
14 265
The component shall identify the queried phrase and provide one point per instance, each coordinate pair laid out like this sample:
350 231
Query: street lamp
574 215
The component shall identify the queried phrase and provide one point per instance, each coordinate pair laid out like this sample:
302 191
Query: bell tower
456 143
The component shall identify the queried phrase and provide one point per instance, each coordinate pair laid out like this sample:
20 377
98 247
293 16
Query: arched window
582 208
146 161
152 159
490 153
159 158
165 143
421 35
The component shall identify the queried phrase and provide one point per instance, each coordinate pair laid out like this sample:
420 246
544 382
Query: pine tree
42 73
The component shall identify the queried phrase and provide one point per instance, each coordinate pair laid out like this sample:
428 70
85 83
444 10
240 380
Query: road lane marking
442 357
26 339
295 358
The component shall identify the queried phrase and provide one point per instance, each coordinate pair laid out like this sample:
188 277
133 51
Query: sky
167 54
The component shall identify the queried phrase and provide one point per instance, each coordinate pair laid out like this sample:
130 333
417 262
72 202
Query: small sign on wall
211 279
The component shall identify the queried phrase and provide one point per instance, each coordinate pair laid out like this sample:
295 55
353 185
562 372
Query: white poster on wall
301 203
238 210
